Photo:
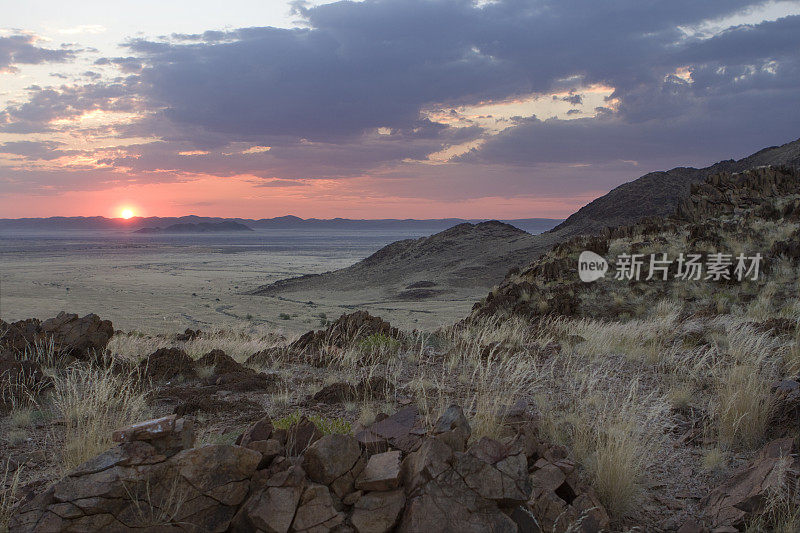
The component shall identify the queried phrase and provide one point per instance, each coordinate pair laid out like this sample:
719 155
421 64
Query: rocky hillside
660 193
757 211
466 255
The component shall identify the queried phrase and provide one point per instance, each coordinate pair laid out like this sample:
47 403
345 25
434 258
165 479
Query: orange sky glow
241 197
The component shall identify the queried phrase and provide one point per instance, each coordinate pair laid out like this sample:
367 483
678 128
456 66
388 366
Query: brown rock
83 338
316 511
453 428
431 460
300 436
20 379
331 461
398 431
504 479
381 473
166 363
745 494
378 512
269 450
692 526
272 508
17 336
261 430
222 363
168 435
352 498
132 486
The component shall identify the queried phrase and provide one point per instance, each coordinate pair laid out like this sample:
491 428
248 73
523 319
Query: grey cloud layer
21 49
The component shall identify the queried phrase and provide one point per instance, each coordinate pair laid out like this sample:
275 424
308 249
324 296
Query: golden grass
745 405
92 403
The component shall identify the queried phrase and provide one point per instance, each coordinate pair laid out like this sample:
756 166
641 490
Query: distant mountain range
202 227
531 225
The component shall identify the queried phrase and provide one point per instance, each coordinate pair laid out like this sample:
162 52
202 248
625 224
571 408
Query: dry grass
92 403
714 460
158 504
239 342
9 487
745 407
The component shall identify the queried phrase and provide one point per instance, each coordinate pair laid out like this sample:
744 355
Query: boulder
494 474
19 380
272 505
441 499
403 431
167 363
84 338
557 501
261 430
316 511
133 486
334 460
453 428
222 363
378 512
300 436
168 435
269 450
17 336
343 331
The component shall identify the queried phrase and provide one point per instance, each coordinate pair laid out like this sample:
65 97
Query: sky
380 108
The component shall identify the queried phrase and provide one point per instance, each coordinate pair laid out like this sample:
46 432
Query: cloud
21 49
35 150
345 96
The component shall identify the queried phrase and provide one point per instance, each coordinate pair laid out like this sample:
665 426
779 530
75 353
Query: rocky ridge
153 479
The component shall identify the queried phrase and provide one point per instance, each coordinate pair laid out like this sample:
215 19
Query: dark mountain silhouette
202 227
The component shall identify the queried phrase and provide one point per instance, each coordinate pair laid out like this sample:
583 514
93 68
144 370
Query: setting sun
126 213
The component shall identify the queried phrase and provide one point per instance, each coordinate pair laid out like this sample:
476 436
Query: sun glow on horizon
126 213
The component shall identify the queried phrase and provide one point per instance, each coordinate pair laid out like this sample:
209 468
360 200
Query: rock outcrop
83 338
153 480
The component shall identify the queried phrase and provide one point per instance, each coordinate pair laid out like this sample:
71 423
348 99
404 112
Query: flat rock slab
381 473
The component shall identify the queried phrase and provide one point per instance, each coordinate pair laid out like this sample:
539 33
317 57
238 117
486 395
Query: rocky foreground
396 475
401 472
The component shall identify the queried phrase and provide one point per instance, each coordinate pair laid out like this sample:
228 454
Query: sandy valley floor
155 286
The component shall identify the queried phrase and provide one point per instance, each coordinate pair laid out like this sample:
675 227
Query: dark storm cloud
21 49
743 94
365 65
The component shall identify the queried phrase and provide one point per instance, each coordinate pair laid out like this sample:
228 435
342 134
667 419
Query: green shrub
378 342
326 426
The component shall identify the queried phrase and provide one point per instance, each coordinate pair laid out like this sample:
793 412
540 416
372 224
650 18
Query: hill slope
466 255
756 211
660 193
